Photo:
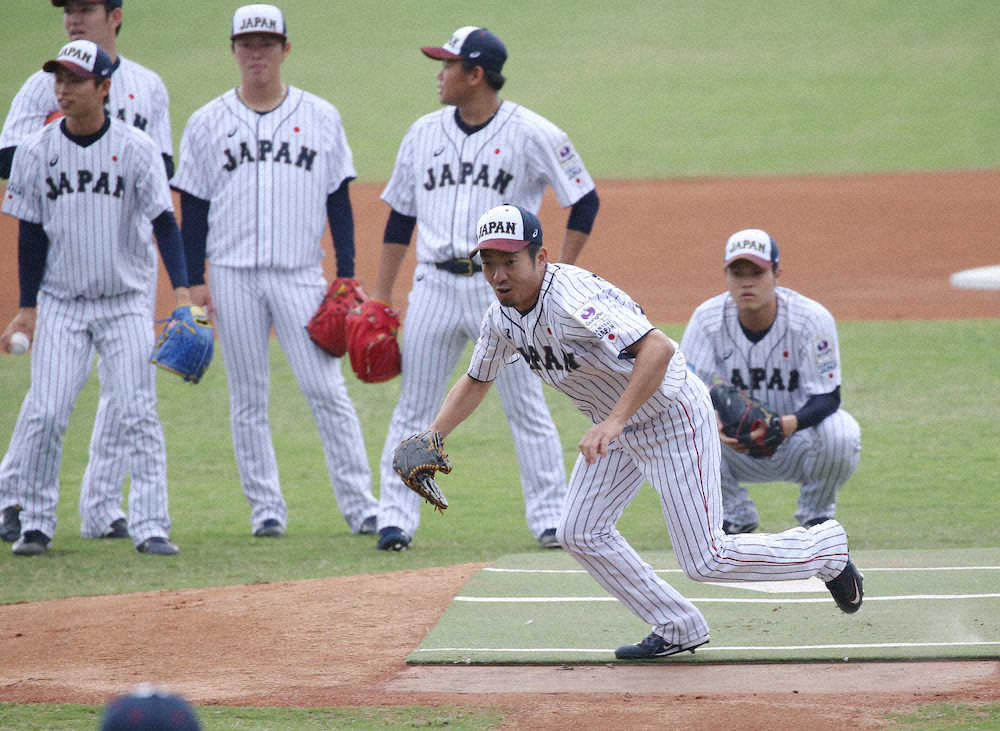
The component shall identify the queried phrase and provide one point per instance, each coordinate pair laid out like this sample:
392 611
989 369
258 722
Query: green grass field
646 89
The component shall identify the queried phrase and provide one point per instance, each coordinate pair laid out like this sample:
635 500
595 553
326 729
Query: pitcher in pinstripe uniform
653 420
139 98
262 168
85 190
476 152
781 348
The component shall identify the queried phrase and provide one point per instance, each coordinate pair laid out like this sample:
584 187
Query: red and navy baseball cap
149 708
472 44
507 228
752 244
82 58
110 3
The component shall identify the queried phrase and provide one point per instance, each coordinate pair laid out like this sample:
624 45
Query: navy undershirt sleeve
817 408
168 163
194 232
341 217
399 228
168 238
32 251
6 160
583 213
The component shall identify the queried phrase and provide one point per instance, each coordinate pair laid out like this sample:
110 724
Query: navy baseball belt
466 266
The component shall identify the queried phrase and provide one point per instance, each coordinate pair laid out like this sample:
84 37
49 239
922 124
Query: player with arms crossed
653 420
476 152
781 349
262 168
85 190
139 98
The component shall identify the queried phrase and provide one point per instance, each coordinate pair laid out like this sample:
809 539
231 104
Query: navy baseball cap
112 3
476 45
83 58
150 709
259 18
753 244
507 228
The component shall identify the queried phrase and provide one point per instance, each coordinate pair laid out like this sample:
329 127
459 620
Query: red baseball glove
328 327
371 342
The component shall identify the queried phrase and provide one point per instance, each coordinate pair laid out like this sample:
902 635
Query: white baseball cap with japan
259 18
82 58
507 228
752 244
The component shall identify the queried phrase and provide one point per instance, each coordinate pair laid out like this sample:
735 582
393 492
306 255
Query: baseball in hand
19 343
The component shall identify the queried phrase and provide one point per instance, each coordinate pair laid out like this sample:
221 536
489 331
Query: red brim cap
53 65
759 261
439 53
509 245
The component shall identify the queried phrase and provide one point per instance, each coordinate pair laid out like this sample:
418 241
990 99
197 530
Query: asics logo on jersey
438 151
758 378
53 161
486 178
265 151
86 182
550 362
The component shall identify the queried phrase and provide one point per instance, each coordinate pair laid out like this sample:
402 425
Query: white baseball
19 343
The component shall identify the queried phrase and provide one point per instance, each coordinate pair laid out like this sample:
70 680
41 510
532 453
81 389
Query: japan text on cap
82 58
259 18
752 244
476 45
507 228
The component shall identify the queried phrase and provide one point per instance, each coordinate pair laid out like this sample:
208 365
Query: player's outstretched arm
388 268
572 245
463 398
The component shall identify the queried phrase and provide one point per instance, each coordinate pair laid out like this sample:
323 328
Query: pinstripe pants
821 459
247 303
67 333
680 456
444 313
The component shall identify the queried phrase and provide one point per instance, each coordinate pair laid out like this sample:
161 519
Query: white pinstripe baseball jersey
447 178
799 356
267 177
137 97
95 204
573 339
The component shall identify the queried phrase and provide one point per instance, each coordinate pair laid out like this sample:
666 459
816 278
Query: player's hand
201 297
24 321
594 444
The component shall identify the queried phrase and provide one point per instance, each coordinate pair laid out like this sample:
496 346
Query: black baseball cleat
158 546
392 538
733 529
655 646
117 529
848 588
816 521
32 543
10 523
270 528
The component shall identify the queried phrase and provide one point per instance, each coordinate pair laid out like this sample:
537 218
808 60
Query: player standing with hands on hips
139 98
476 152
781 349
85 190
262 169
653 420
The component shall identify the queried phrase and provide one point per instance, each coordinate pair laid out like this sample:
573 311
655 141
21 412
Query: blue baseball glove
186 344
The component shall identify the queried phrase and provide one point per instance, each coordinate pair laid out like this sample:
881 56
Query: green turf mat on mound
542 608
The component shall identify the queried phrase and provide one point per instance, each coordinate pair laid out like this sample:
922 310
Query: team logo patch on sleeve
568 159
597 320
825 354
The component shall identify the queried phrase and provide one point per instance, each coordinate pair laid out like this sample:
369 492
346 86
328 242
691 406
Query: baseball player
262 169
781 349
653 420
137 97
474 153
85 190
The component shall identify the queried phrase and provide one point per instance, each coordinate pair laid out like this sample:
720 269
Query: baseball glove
186 344
371 342
328 327
416 459
740 415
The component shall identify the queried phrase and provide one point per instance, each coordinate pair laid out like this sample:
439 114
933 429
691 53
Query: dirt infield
867 246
